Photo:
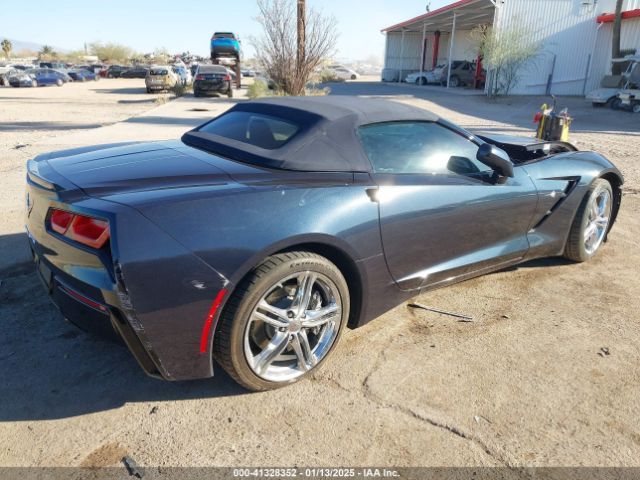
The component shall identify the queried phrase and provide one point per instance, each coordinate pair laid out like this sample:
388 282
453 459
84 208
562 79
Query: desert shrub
327 76
258 89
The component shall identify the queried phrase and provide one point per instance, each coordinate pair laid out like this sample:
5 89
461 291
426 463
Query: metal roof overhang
469 14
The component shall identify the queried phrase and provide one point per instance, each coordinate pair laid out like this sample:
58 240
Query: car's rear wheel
422 81
282 321
591 224
636 108
59 82
454 81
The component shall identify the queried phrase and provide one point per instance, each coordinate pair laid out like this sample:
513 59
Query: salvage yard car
38 77
255 239
225 44
212 79
160 78
138 71
81 75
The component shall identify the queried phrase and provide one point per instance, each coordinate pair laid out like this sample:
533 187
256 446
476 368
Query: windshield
158 71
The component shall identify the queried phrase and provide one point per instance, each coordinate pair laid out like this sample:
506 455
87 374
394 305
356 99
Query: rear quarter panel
210 237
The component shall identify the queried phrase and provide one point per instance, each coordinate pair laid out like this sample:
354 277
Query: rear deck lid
138 167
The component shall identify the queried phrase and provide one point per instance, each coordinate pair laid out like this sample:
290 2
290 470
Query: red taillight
227 77
200 77
89 231
60 221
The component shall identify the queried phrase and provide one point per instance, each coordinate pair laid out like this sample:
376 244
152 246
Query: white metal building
575 36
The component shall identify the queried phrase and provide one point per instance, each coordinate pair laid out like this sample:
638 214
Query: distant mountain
22 45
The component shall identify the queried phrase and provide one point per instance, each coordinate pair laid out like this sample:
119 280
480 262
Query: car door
443 214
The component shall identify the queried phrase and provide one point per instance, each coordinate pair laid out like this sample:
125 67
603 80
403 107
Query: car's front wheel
282 321
591 224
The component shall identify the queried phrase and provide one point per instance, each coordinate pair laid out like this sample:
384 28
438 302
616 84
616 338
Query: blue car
225 44
82 75
184 74
38 77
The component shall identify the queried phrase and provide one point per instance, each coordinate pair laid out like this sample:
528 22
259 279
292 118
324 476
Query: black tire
354 77
230 92
575 248
616 104
228 345
454 81
421 81
59 82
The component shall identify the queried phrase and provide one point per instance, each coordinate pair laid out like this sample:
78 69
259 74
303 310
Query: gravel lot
522 385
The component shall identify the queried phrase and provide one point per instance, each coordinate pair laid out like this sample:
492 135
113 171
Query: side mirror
495 158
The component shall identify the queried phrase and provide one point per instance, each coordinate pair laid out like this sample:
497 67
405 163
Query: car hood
107 169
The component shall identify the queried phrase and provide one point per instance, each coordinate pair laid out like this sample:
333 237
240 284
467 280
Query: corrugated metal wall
566 30
629 38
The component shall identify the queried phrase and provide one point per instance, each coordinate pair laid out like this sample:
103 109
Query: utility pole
615 41
301 33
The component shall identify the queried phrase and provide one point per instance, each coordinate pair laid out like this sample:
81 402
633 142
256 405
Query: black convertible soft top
327 136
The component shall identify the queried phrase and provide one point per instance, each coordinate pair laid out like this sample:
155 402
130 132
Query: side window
419 148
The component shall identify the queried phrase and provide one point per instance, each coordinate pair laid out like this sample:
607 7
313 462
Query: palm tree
6 47
615 42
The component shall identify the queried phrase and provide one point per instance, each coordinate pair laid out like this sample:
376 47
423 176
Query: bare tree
615 41
277 49
506 53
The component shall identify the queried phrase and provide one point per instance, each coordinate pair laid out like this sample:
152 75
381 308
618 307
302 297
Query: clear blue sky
181 25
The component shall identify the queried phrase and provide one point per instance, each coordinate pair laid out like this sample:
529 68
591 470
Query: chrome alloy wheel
293 326
598 221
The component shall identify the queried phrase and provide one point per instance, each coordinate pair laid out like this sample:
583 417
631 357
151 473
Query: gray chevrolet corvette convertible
255 239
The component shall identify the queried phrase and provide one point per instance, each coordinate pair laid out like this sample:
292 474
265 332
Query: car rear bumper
133 289
86 306
204 87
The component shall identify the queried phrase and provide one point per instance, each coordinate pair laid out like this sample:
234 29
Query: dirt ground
525 384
